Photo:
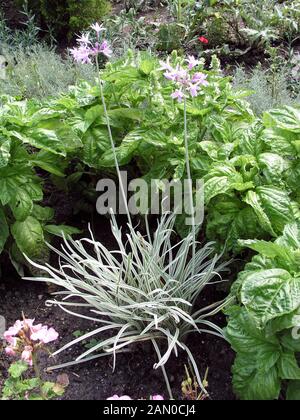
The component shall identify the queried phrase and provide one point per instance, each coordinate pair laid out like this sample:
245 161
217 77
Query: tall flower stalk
85 53
188 84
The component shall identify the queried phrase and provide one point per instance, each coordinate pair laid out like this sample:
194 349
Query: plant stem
37 373
113 146
189 175
179 11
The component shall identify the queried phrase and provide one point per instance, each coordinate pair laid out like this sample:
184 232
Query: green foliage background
67 17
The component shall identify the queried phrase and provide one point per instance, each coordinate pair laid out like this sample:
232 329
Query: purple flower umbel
187 82
86 49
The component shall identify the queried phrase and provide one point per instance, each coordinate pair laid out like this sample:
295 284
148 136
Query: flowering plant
127 398
25 340
188 81
89 48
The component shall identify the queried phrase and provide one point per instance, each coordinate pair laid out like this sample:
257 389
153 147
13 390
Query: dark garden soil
134 375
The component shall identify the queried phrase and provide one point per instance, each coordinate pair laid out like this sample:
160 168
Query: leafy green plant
39 72
235 27
19 38
68 16
18 387
25 223
263 330
26 341
251 187
128 30
150 292
269 90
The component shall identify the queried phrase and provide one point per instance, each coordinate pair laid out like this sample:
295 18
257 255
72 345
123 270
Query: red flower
203 40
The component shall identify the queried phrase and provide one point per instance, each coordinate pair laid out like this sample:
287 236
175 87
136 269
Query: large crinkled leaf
29 237
285 255
223 179
255 372
270 294
277 205
95 144
21 204
291 236
4 152
280 141
125 151
274 166
288 366
251 384
18 176
41 139
293 391
286 118
245 337
4 230
253 199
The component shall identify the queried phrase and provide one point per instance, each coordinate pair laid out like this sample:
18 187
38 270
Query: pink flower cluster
25 338
87 49
188 82
126 398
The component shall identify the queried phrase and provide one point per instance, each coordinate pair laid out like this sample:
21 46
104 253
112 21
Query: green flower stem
37 373
113 146
189 175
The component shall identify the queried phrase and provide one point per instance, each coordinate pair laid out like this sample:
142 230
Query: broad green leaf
254 201
29 237
21 205
245 337
95 143
291 236
43 214
4 152
251 384
17 369
270 294
61 230
287 118
277 206
274 166
4 230
42 139
288 366
293 391
270 250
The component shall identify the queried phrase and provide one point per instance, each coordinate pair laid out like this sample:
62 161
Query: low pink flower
26 355
158 398
117 398
10 351
13 331
45 335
